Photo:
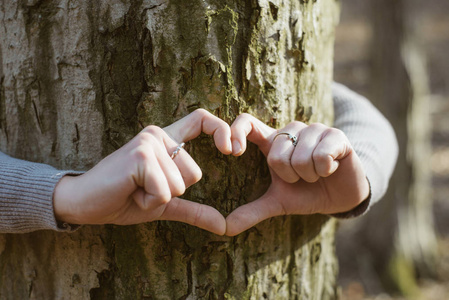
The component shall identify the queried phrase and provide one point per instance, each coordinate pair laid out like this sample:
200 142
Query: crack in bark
229 273
189 279
36 114
3 125
76 139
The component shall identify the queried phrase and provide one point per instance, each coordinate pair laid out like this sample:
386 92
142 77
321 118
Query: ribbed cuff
26 196
372 138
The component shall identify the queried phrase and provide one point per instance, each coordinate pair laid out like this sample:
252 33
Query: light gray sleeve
26 196
372 138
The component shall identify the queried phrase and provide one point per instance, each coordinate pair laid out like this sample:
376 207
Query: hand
322 174
140 182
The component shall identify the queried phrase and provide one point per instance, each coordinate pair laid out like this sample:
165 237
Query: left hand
142 181
322 174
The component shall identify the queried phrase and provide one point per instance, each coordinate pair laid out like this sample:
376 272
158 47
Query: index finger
199 121
248 127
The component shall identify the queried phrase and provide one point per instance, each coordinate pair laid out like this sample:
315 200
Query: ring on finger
291 137
180 146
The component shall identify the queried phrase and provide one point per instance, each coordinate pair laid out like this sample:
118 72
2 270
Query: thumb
196 214
248 127
250 214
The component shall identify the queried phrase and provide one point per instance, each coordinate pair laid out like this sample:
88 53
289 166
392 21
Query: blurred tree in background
402 228
395 244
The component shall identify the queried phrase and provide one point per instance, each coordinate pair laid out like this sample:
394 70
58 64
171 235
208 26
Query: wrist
358 210
62 201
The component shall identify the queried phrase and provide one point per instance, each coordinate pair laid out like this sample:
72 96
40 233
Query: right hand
321 174
140 182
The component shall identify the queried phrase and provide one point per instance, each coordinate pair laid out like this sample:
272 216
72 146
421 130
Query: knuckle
147 137
311 178
144 137
300 162
201 112
323 163
237 124
193 175
334 131
141 154
304 167
294 125
152 129
144 145
340 134
317 126
290 178
240 120
180 189
277 161
163 198
197 174
244 116
321 158
177 186
297 123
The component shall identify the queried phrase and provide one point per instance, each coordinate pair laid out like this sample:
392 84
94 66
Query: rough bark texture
404 243
80 78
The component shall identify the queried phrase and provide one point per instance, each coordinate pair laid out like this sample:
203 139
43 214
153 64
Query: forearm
26 195
371 136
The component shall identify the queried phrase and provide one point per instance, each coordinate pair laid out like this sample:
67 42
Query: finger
199 121
333 146
188 168
279 158
149 204
172 174
248 215
155 184
161 147
196 214
302 160
248 127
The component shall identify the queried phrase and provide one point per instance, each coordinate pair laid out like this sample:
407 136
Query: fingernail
229 145
236 147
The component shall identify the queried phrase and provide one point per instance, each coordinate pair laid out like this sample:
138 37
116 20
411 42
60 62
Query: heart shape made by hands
313 170
319 174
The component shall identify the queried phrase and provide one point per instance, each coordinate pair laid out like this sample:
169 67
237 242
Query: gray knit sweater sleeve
372 138
26 196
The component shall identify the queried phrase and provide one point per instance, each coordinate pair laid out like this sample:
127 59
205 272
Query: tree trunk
404 243
80 78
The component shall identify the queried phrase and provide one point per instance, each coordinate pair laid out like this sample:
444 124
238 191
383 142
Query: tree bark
81 78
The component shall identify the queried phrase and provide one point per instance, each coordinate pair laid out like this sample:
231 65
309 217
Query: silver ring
291 137
180 146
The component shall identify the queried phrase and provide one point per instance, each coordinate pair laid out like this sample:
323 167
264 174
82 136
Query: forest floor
352 68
